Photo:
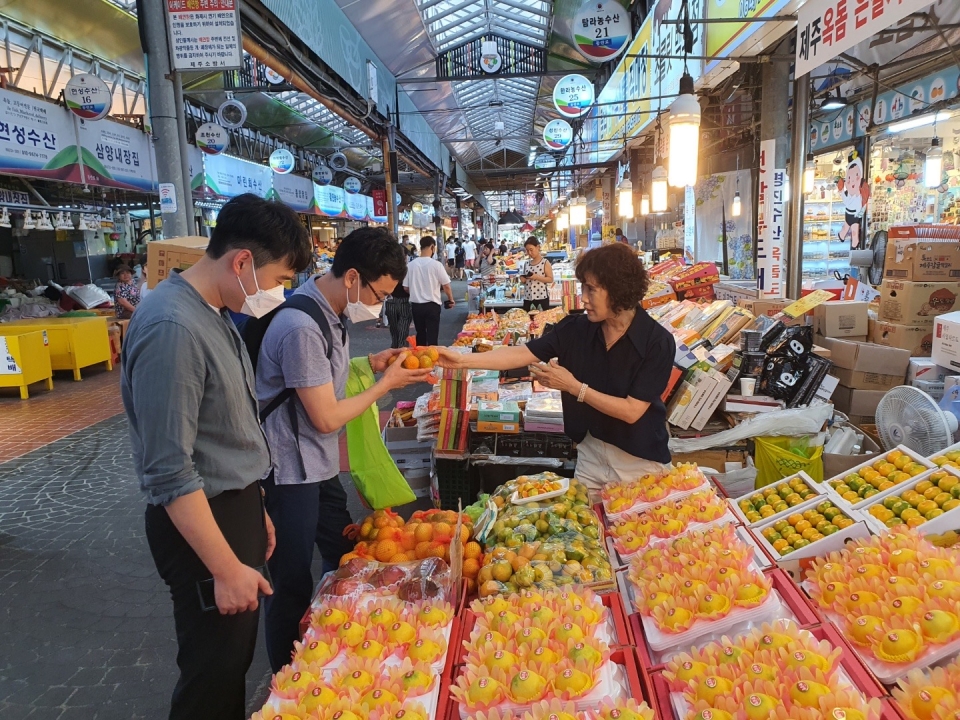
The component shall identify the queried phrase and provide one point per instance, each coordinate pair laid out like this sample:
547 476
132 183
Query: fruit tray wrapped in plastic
701 583
776 671
895 599
637 495
931 693
415 581
857 485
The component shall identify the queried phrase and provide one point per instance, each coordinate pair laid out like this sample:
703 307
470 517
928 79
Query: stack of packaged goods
544 413
477 327
454 391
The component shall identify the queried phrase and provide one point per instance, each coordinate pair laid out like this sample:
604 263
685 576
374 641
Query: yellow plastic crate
30 360
74 343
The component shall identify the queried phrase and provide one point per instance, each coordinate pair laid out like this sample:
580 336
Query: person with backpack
302 367
198 451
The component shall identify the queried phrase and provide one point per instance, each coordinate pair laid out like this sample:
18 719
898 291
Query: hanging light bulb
658 190
578 212
83 226
625 204
45 223
563 221
933 165
644 204
684 125
737 207
809 174
28 221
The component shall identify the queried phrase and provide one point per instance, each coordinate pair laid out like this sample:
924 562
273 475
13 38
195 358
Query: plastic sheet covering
799 421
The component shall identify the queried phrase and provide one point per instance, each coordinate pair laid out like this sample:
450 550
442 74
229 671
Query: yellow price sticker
807 303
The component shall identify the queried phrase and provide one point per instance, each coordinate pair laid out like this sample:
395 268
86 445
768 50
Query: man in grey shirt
304 495
188 390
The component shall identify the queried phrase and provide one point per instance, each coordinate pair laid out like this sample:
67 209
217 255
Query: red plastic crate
794 597
601 513
661 693
892 711
858 672
623 635
643 652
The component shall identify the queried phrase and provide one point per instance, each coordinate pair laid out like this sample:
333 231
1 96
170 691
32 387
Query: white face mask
357 312
262 301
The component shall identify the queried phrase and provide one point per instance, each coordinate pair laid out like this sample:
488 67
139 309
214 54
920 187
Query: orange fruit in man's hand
425 361
433 353
392 360
411 363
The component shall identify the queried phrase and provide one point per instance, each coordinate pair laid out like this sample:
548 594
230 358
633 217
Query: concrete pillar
798 160
774 104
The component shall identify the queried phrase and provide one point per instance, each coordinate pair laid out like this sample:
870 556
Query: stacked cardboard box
865 373
699 395
846 319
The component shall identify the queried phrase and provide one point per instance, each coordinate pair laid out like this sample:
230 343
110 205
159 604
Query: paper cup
748 386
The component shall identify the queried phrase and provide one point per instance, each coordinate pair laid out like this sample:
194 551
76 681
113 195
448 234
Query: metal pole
184 156
798 160
389 171
163 112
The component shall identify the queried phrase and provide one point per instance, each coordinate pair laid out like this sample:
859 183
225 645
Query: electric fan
908 416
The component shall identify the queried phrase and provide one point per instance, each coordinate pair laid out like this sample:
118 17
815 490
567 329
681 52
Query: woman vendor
611 364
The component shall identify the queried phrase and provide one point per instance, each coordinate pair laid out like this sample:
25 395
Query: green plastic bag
780 457
374 473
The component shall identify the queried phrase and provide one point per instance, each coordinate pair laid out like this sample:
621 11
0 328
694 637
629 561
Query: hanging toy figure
855 192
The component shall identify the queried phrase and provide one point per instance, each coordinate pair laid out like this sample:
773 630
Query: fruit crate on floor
456 483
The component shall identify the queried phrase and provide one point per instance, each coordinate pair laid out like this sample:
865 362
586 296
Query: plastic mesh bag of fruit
421 580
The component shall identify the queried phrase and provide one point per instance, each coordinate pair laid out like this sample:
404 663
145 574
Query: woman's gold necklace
617 338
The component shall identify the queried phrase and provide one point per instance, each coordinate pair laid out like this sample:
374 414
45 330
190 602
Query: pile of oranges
421 358
385 537
926 500
800 529
894 468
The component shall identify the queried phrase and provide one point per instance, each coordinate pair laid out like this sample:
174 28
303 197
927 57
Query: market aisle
26 425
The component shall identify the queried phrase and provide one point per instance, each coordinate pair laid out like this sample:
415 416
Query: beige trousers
599 463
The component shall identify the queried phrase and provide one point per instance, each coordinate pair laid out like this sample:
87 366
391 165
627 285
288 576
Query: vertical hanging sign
205 34
771 200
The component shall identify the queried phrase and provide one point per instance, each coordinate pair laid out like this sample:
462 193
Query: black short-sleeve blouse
637 366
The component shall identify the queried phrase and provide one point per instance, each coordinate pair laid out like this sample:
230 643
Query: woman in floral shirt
127 295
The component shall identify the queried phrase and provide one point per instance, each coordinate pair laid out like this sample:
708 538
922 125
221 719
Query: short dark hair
618 270
372 252
123 268
531 241
427 241
270 230
618 231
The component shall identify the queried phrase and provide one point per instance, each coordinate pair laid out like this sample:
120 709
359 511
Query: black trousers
426 319
399 315
214 650
304 515
529 305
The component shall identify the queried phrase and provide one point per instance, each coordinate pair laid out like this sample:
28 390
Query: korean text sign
771 201
204 34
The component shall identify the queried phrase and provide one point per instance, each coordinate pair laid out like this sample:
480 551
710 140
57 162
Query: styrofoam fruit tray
724 519
859 529
393 660
640 507
612 683
564 486
759 556
917 457
735 502
429 701
949 520
889 673
658 640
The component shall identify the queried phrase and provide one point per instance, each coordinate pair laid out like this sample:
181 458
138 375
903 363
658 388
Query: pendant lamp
644 204
809 175
933 165
625 204
658 190
578 212
684 124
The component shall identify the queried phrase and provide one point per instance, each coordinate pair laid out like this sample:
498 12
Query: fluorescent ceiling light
917 122
834 102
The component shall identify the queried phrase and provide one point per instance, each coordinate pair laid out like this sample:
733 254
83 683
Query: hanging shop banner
212 139
352 185
356 206
379 203
295 191
545 162
826 28
601 29
205 34
282 161
771 199
37 139
228 176
667 41
723 38
557 134
322 175
329 199
374 211
715 223
573 96
623 105
115 155
841 128
87 97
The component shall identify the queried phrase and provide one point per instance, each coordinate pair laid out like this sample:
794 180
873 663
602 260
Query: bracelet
583 392
370 360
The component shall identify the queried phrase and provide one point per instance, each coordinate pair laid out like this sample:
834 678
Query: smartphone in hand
208 600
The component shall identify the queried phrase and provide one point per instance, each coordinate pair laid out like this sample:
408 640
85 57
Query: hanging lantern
644 204
933 165
684 124
578 212
809 175
625 204
658 190
563 221
737 205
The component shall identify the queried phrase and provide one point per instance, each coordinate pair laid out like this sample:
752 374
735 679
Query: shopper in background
459 261
538 279
126 295
621 238
503 247
399 316
198 450
470 253
612 364
451 256
487 265
425 279
304 495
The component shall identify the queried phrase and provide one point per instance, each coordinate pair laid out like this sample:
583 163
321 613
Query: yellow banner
624 104
723 37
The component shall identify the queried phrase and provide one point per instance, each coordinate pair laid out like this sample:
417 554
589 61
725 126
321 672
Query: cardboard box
496 427
164 256
771 308
905 302
841 319
834 465
498 412
817 337
946 341
917 340
854 403
867 357
722 384
915 258
864 380
702 273
923 368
